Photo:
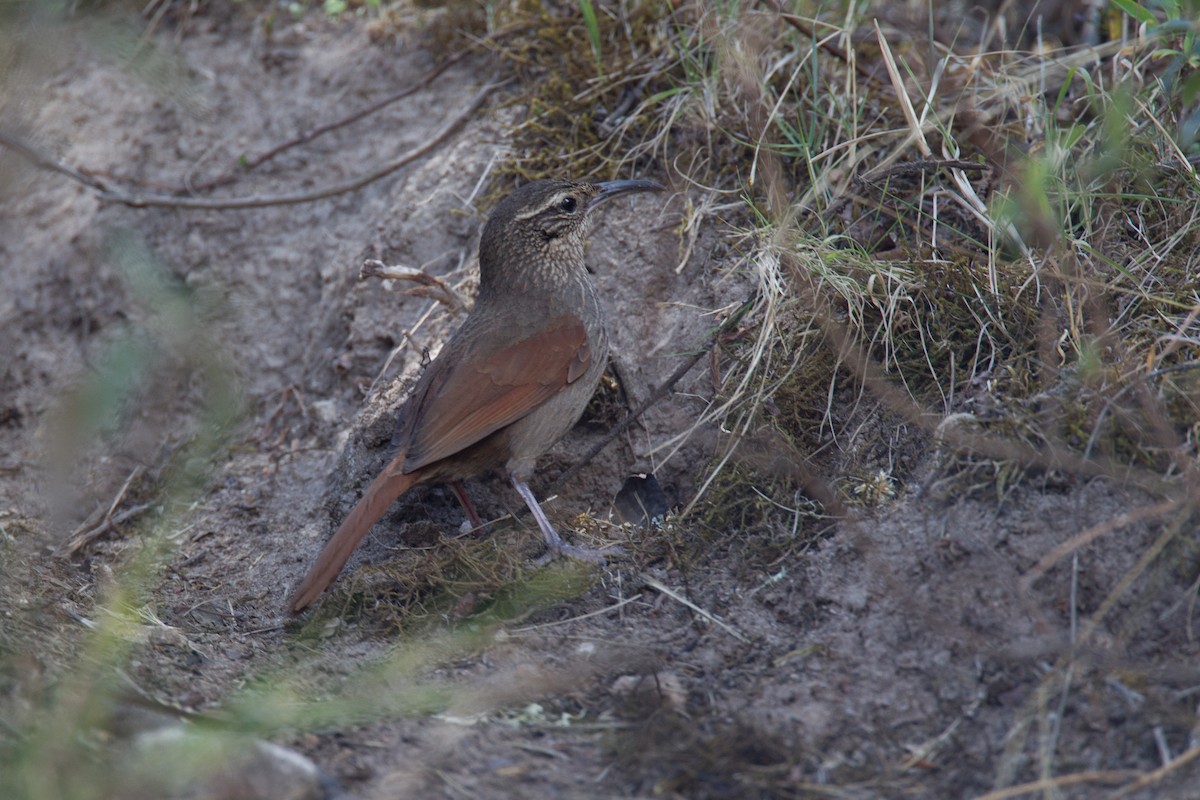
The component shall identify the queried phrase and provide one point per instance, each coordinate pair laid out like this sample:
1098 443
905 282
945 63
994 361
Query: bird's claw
561 549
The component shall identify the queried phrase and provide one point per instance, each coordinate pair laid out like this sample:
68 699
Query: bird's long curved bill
610 189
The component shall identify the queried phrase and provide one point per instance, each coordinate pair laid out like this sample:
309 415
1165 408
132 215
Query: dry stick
923 165
1091 534
88 176
169 201
1143 563
658 585
541 626
897 401
1045 784
1056 458
40 159
1087 452
430 285
1066 663
80 540
1150 778
897 170
654 397
806 29
308 136
89 530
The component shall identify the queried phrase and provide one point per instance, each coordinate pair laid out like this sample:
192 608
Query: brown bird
512 380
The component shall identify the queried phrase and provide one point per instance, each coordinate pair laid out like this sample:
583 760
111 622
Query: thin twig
802 25
167 201
922 165
1091 534
708 615
431 286
1045 785
1150 778
89 530
40 159
321 130
170 201
541 626
897 170
81 540
855 358
1137 381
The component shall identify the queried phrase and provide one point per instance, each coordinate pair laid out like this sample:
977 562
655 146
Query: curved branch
104 192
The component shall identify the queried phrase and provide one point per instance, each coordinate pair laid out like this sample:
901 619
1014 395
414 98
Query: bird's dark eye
568 204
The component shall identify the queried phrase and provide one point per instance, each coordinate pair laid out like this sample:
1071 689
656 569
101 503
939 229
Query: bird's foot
554 544
564 550
560 549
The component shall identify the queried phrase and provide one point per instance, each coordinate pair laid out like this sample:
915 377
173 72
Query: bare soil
900 655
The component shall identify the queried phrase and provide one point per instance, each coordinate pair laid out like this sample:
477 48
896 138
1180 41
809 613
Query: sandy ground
905 654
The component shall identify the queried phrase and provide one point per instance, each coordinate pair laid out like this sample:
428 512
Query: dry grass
967 237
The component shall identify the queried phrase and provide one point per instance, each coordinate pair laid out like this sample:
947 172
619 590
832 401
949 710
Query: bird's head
547 220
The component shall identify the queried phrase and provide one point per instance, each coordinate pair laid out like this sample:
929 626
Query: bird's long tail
383 491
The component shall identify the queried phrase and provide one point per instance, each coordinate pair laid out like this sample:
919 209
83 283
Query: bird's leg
553 540
464 499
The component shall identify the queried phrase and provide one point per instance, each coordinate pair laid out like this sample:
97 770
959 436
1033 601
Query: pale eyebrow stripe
553 202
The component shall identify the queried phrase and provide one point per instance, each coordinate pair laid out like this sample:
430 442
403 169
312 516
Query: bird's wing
487 388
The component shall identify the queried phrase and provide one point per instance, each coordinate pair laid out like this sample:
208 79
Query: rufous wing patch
494 387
